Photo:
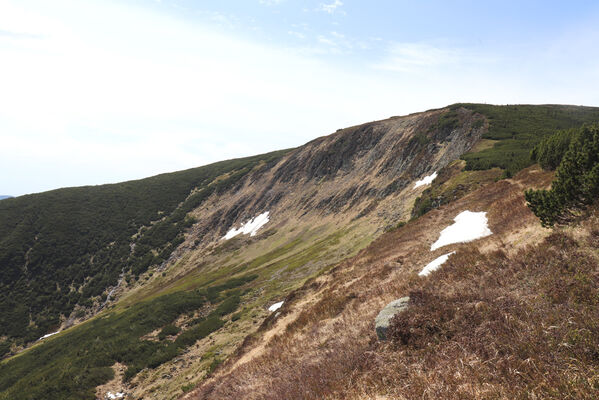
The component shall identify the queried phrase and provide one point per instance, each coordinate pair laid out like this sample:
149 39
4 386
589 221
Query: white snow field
275 306
468 226
48 335
251 227
427 180
435 264
117 395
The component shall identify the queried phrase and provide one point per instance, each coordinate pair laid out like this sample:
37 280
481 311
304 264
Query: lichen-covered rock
383 320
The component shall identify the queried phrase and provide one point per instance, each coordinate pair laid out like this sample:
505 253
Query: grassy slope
64 247
510 316
277 272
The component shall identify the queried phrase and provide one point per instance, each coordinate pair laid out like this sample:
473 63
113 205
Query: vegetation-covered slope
328 200
517 130
72 365
513 315
64 247
576 155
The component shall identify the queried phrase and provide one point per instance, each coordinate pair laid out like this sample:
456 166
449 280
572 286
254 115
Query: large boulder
383 320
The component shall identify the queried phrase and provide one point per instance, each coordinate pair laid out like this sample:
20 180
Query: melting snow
117 395
435 264
427 180
48 335
275 306
250 227
468 226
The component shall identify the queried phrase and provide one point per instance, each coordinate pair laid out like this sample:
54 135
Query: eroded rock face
383 320
346 173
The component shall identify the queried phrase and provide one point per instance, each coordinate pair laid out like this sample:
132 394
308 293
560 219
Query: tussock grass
509 323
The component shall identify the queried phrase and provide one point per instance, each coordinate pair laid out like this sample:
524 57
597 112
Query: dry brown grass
498 321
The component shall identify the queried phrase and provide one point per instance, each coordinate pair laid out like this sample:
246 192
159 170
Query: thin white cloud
296 34
330 8
406 57
327 41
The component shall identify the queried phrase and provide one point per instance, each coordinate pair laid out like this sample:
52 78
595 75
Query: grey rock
383 320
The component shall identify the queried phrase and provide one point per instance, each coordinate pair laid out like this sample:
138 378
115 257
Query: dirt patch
115 385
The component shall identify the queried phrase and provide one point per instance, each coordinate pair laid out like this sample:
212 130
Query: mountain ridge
328 201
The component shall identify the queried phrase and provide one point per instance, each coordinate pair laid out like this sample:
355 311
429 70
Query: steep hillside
513 315
61 250
163 281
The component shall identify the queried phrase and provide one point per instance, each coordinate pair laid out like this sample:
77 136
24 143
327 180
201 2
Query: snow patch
427 180
435 264
48 335
468 226
250 227
275 306
117 395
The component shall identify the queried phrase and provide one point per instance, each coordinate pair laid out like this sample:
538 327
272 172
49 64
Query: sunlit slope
326 201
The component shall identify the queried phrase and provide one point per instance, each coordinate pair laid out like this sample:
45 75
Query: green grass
85 353
518 129
452 184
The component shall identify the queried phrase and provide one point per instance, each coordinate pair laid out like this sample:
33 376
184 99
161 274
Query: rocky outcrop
348 173
383 320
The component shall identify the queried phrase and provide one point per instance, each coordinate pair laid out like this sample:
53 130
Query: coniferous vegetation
63 248
577 179
518 129
4 348
550 151
168 330
72 364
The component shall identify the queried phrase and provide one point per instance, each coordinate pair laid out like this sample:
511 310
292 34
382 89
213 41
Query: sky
95 92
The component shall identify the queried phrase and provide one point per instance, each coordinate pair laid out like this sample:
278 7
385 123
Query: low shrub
168 330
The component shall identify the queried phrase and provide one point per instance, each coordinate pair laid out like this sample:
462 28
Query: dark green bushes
212 293
550 151
4 348
80 238
229 305
448 121
168 330
200 331
518 129
576 185
72 364
419 139
423 204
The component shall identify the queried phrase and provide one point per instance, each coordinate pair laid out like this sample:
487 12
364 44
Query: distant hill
5 197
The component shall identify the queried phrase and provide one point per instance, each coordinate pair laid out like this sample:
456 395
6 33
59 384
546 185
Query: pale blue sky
104 91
